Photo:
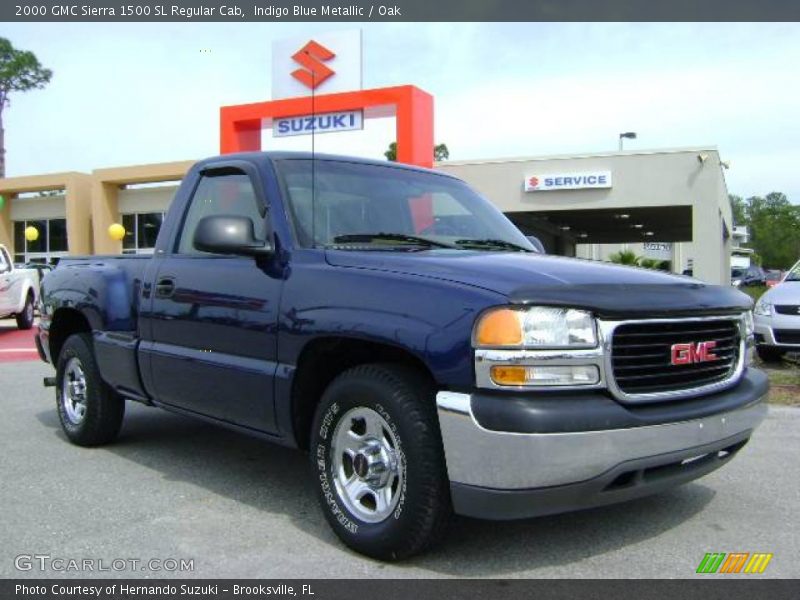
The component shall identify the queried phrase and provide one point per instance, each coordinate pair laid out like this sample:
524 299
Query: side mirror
229 234
537 243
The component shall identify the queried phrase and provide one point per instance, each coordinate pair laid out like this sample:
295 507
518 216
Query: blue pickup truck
393 324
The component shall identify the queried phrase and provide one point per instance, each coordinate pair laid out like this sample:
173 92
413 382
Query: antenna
313 161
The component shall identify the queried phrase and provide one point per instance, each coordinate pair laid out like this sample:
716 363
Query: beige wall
90 203
76 206
106 191
30 209
143 200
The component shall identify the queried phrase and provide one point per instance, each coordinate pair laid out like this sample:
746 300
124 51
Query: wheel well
66 321
325 358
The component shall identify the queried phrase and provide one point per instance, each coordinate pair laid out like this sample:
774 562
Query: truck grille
787 309
641 355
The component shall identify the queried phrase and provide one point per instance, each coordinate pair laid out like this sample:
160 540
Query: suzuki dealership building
670 204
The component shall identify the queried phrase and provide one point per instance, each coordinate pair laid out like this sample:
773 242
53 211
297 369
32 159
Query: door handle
165 287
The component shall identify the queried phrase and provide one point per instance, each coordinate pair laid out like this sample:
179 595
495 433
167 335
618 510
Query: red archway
241 125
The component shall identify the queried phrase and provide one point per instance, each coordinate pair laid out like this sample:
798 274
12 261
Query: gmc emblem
687 354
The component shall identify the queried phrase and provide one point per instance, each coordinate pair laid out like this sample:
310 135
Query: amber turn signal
512 375
500 327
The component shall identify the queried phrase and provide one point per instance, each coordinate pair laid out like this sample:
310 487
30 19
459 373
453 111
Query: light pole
631 135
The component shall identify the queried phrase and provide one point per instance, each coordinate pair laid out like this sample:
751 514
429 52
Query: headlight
763 308
749 327
535 327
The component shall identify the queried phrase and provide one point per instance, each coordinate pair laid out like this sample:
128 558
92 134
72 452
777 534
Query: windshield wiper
366 238
492 244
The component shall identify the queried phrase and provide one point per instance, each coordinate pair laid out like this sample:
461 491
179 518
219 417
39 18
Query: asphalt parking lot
173 487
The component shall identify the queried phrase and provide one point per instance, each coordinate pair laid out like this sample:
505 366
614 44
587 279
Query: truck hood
605 288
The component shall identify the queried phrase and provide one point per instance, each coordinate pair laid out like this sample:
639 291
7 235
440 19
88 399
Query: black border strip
401 10
702 587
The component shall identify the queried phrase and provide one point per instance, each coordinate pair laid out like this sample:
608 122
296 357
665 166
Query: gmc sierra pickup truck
395 325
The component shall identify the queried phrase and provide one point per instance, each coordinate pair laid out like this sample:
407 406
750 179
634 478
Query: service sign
348 120
568 181
659 250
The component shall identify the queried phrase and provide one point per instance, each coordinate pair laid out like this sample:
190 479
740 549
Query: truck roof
270 156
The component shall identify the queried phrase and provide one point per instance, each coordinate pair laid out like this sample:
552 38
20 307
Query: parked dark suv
753 275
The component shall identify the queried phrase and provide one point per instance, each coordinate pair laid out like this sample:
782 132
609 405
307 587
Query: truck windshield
358 206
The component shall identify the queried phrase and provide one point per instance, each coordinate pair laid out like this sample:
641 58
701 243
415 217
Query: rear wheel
770 353
378 462
25 318
89 410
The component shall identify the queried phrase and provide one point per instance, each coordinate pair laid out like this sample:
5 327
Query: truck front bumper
517 474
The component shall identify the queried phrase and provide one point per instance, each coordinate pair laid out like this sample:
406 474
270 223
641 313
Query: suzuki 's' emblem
311 56
687 354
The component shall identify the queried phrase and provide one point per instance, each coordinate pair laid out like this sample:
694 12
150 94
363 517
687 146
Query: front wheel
25 318
378 462
89 410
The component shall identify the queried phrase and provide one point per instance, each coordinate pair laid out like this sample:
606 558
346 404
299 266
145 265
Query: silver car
777 318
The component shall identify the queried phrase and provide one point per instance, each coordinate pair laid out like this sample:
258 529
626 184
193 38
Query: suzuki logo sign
687 354
312 57
328 63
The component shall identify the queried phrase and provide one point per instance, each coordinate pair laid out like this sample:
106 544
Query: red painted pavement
16 345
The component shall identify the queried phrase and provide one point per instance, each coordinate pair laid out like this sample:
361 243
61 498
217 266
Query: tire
25 318
89 410
410 510
770 353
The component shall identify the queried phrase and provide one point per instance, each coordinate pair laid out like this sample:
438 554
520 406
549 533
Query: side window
4 264
230 194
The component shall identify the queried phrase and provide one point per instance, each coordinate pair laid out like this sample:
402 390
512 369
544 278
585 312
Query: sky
131 93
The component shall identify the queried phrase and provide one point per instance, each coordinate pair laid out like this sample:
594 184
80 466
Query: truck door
213 318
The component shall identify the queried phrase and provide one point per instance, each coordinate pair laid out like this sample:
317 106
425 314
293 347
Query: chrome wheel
29 311
73 391
367 465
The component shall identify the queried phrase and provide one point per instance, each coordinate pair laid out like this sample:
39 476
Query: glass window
48 247
19 236
221 195
57 235
40 243
129 223
147 228
4 266
364 199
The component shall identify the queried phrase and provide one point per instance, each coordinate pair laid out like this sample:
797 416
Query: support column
415 129
105 212
6 225
78 205
707 238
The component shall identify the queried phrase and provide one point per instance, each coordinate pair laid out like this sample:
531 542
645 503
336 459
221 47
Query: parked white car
777 318
19 291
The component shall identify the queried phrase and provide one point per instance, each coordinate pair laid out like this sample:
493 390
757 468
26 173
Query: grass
754 291
784 380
